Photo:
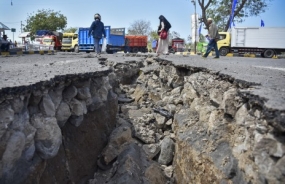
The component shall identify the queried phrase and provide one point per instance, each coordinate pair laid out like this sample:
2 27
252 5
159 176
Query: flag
233 12
200 29
262 23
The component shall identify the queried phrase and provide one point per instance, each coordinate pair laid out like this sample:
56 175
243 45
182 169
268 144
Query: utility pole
21 27
195 41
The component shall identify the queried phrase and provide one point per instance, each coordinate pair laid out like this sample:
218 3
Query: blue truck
115 39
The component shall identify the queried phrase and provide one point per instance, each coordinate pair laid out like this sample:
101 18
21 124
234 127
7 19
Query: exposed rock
69 93
83 93
7 116
56 95
46 106
229 103
154 174
167 151
48 136
17 105
168 171
76 107
151 150
76 120
13 152
62 114
119 137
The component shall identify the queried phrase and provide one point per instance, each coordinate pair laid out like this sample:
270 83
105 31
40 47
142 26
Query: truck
52 38
137 43
263 41
70 42
175 45
115 40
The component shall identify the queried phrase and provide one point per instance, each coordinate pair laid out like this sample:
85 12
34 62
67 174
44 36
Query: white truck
264 41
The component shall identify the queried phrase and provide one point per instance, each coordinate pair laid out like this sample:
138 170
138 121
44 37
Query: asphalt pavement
266 76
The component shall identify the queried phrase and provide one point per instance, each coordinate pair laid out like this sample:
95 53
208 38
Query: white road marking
272 68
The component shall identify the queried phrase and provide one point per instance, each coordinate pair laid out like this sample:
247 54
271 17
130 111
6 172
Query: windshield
66 40
47 40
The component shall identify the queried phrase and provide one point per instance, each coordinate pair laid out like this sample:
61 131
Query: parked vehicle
177 45
263 41
115 40
70 42
137 43
53 38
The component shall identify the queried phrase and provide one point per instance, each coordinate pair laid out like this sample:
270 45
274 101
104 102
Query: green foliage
220 10
45 20
70 30
153 35
202 38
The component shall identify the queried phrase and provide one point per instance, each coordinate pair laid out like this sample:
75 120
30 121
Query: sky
122 13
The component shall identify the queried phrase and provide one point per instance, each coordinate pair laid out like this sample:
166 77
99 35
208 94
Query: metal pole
195 44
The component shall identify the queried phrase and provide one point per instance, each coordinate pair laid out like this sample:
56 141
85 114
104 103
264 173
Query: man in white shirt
213 37
5 44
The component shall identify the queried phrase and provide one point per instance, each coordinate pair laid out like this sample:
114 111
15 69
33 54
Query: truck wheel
268 53
76 49
224 51
135 50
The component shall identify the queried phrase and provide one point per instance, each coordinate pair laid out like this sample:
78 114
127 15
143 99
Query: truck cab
224 43
52 40
70 42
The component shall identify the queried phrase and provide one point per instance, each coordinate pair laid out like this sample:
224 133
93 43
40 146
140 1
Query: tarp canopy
24 34
3 27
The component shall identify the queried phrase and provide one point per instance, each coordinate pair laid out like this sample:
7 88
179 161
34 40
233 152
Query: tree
175 34
70 30
139 27
45 20
221 10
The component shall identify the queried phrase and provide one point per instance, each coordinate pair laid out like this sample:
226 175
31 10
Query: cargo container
115 40
263 41
137 43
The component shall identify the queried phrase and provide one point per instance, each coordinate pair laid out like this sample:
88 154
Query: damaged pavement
180 119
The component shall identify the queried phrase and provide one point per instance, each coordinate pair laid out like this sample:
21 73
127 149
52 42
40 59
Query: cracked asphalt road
269 74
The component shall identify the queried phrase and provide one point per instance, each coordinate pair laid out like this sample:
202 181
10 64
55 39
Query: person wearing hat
213 37
97 30
5 44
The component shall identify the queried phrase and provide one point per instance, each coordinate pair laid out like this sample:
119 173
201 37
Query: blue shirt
97 29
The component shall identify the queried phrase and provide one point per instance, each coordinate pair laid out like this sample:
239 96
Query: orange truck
137 43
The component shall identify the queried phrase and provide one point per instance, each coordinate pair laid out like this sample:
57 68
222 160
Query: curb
253 56
27 52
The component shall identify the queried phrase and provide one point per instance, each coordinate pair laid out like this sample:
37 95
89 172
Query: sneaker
216 57
204 56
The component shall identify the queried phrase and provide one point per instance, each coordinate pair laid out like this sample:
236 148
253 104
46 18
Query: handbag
163 34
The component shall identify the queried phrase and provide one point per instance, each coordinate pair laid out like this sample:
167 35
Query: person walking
97 30
162 46
5 44
213 37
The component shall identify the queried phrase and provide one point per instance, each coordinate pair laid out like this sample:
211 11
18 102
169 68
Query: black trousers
5 46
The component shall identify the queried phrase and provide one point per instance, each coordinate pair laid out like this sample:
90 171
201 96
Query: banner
233 13
262 23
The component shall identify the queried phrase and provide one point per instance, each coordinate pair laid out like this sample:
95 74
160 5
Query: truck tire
224 51
269 53
76 49
135 50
